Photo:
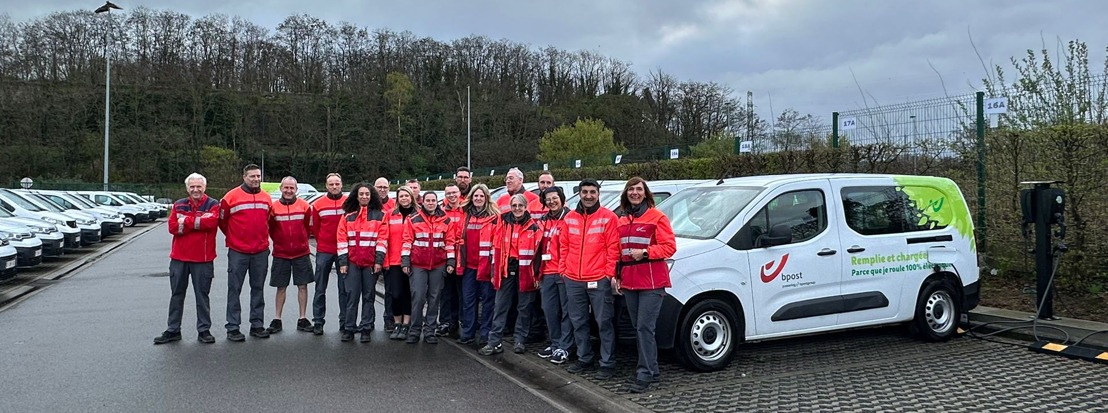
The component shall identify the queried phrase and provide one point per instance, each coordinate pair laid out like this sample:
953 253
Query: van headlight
52 221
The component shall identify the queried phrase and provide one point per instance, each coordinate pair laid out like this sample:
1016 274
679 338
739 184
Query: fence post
981 226
835 130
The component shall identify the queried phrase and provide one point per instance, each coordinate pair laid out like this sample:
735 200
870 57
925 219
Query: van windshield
46 203
78 200
702 212
23 203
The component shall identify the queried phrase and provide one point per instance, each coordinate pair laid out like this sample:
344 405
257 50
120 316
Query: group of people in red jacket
465 262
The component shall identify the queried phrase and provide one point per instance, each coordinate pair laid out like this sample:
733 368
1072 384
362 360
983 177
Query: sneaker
397 332
274 327
235 335
347 335
430 339
518 348
443 330
560 356
412 339
205 337
317 329
466 341
605 373
304 325
367 336
167 336
259 332
489 350
638 386
546 352
580 368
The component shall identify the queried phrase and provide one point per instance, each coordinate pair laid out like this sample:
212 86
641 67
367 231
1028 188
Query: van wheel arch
942 290
710 306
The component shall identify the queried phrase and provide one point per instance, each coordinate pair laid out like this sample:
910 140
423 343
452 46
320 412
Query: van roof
768 180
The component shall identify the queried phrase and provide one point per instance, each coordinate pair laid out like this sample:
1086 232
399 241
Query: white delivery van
132 213
20 207
111 221
767 257
28 248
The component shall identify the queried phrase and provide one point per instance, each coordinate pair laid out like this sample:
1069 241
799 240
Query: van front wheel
708 336
937 312
129 220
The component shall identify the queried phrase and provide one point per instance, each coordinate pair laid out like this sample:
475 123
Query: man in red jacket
244 220
589 248
290 219
326 214
193 222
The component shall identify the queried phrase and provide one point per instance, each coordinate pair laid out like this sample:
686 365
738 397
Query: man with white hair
193 223
514 183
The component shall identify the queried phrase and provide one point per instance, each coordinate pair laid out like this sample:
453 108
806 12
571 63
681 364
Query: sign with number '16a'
996 105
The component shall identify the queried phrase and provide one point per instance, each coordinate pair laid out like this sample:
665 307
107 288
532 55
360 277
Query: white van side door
875 255
793 283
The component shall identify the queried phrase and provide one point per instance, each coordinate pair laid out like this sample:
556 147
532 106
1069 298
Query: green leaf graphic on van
939 202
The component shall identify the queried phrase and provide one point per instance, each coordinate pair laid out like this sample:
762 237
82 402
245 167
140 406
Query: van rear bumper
971 296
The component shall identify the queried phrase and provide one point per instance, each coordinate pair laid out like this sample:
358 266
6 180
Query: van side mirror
780 234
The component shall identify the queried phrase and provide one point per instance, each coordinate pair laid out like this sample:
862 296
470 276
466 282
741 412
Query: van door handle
854 249
825 252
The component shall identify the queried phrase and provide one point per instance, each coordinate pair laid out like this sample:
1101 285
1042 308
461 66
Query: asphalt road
85 344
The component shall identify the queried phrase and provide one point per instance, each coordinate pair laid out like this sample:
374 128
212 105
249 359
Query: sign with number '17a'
746 146
996 105
848 123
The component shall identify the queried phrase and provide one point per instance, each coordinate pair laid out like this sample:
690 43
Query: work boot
235 335
347 335
367 336
390 325
317 329
167 336
304 325
205 337
259 333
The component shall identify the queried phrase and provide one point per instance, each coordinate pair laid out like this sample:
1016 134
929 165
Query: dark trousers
238 265
644 306
555 309
361 288
507 294
477 297
324 262
451 299
581 298
426 286
398 294
202 274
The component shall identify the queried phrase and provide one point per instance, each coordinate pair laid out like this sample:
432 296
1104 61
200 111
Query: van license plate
10 265
38 253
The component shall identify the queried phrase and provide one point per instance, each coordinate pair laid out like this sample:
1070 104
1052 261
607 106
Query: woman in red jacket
474 250
363 236
515 273
645 241
396 282
426 256
555 303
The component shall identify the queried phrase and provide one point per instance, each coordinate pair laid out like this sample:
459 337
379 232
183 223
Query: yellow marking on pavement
1054 347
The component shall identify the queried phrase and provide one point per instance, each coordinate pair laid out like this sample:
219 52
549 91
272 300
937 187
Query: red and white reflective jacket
456 216
590 244
363 238
428 240
534 204
649 229
326 214
244 219
194 239
475 243
396 220
289 224
517 239
388 205
552 227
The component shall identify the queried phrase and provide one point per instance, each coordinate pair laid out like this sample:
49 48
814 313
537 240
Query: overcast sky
797 53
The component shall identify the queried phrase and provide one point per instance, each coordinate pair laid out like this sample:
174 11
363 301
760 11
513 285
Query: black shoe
235 335
167 337
443 330
390 326
259 333
304 325
367 336
317 329
580 368
466 341
605 373
635 377
347 335
638 386
274 327
412 339
518 348
205 337
430 339
546 352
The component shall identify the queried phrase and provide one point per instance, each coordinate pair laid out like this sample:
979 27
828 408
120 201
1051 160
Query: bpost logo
774 272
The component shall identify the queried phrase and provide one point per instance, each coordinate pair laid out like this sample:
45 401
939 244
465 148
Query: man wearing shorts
290 221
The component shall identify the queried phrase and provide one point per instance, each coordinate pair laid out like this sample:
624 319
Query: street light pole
469 145
107 8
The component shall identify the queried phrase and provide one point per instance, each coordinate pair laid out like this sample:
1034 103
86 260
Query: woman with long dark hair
427 256
396 282
646 240
362 242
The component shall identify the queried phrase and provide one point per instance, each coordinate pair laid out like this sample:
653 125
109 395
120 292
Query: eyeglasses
518 206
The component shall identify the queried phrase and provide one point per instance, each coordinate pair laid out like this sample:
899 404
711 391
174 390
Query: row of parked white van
37 224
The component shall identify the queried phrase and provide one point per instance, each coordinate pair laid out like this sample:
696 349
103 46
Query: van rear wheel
937 312
708 336
128 220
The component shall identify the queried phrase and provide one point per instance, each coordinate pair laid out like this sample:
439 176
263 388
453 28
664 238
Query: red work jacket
520 240
288 227
590 244
326 214
194 239
649 229
244 220
363 238
428 240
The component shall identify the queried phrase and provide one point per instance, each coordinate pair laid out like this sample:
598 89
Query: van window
702 212
104 200
886 210
805 212
25 204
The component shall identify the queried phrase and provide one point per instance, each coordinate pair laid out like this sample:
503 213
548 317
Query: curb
987 321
